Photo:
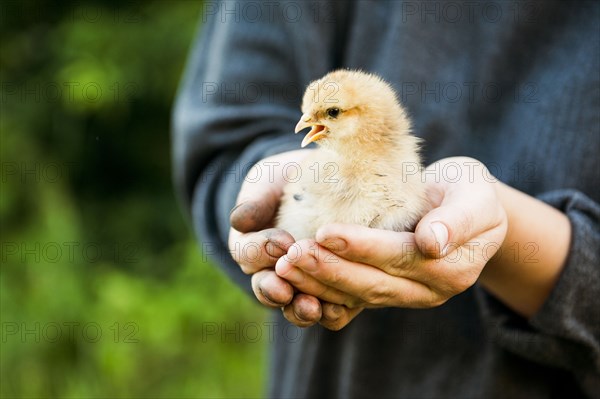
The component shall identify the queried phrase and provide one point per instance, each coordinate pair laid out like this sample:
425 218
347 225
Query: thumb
463 215
261 192
444 229
255 214
466 208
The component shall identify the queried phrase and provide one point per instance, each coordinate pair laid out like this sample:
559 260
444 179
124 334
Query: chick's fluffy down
366 169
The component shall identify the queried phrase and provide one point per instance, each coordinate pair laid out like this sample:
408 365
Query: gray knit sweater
513 84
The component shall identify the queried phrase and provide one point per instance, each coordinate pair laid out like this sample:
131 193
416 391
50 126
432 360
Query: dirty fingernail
268 298
298 316
274 249
236 207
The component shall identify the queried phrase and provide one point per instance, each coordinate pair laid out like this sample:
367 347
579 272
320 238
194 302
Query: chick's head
347 108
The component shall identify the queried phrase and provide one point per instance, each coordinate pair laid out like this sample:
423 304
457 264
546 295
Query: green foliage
103 291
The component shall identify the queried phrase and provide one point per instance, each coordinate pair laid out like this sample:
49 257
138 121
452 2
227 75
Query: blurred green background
104 292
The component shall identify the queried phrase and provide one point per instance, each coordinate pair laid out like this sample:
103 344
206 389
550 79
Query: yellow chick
366 169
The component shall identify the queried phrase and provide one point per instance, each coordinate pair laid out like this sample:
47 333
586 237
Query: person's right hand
256 245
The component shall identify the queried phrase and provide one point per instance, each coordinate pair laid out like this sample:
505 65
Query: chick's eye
333 112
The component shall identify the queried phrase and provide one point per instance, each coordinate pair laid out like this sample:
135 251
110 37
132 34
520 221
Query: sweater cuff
565 332
573 303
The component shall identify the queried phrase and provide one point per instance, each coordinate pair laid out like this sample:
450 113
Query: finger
456 272
367 283
466 207
271 290
254 215
258 250
309 285
261 192
394 252
303 311
448 227
335 317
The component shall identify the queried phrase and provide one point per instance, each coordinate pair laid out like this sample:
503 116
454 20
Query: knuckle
392 262
323 291
401 264
250 254
336 277
353 302
378 294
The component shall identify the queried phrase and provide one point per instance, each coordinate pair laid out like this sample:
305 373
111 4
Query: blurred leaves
93 240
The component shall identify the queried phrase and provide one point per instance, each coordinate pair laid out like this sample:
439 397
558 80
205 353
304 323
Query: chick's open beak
316 132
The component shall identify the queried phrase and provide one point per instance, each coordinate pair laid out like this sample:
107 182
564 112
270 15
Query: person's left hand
354 267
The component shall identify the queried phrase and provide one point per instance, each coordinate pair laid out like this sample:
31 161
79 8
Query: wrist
527 266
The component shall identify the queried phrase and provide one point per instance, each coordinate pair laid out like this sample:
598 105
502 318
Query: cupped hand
256 245
354 267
